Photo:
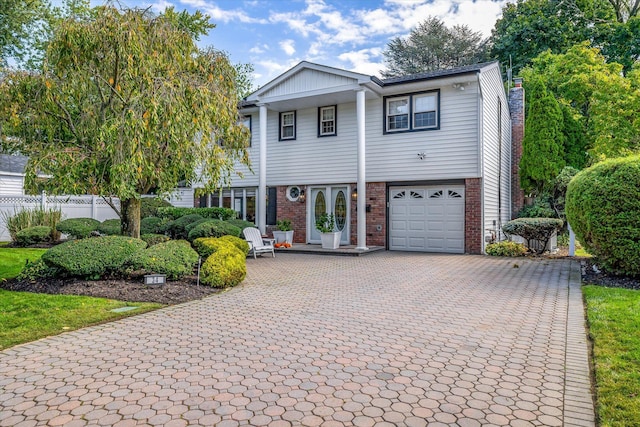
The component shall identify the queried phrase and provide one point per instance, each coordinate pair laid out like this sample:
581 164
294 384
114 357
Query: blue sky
274 35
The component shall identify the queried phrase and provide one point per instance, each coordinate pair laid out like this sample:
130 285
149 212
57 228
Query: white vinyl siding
496 155
308 81
11 185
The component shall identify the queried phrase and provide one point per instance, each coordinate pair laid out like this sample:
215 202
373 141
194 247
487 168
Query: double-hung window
287 125
327 124
417 111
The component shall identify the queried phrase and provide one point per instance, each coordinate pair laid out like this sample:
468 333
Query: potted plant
326 224
284 232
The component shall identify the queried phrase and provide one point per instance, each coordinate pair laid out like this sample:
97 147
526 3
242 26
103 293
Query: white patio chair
257 245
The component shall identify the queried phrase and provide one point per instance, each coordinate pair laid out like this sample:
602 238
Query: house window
246 121
288 125
397 114
425 111
418 111
327 121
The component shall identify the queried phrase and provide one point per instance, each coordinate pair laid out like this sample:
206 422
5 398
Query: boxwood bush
530 229
174 258
177 228
33 235
149 206
93 258
214 213
110 227
213 228
151 225
153 239
506 248
241 224
224 268
238 242
37 270
78 227
205 246
603 208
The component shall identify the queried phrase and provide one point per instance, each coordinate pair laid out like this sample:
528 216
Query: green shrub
506 248
205 246
78 227
151 225
149 206
531 229
110 227
603 208
191 226
33 235
93 258
541 208
238 242
37 270
240 223
214 213
177 228
174 258
213 228
153 239
225 267
26 218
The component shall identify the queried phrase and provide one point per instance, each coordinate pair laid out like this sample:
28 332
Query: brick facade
473 234
516 107
376 216
295 211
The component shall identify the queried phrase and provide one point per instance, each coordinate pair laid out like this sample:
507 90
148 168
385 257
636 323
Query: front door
330 199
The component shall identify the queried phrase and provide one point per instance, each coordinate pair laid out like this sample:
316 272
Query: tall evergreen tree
543 144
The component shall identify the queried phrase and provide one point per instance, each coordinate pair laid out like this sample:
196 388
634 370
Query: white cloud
365 61
288 46
259 48
218 14
274 68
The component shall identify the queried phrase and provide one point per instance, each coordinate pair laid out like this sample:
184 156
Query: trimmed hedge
530 229
206 246
110 227
506 248
240 223
149 206
177 228
213 228
174 258
93 258
33 235
153 239
214 213
224 268
151 225
238 242
190 227
603 208
79 228
37 270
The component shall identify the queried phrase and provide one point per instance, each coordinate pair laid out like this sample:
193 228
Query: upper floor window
327 124
288 125
418 111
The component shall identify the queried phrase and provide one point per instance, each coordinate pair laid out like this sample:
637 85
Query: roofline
419 77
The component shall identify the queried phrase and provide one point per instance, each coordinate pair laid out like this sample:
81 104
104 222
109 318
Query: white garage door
426 219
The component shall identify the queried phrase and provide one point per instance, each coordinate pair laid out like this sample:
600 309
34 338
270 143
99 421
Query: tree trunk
130 217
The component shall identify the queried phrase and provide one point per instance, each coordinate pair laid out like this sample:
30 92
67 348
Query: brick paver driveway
385 339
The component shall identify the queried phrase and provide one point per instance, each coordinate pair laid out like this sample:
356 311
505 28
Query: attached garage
427 218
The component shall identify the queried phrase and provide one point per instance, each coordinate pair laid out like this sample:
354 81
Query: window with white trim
425 111
412 112
397 114
288 125
327 125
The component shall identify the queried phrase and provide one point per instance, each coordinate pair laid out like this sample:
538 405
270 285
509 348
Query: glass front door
330 199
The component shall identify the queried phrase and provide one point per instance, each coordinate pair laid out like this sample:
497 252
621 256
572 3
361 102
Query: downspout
481 158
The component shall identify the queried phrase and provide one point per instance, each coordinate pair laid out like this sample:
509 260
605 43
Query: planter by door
331 240
283 236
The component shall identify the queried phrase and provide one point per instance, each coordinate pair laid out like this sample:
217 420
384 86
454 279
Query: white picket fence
72 207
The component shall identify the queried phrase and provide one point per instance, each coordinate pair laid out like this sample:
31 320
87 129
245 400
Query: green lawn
27 316
614 325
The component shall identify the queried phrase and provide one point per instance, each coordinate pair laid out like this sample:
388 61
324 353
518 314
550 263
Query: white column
244 204
362 179
261 200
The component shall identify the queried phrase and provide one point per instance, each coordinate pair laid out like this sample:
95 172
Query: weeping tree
125 103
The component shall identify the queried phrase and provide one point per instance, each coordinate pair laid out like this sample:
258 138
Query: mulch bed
592 275
174 292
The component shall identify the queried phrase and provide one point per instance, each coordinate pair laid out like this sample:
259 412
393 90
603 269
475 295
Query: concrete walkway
389 339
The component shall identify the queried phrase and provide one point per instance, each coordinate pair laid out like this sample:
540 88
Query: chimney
516 109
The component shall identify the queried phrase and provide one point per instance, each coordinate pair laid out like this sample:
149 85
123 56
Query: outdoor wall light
301 197
354 194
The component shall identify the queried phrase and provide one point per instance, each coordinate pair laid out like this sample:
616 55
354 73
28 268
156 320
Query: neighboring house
12 174
416 163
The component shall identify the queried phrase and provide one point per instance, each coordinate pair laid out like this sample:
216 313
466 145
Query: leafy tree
18 19
575 141
126 102
433 46
625 9
542 148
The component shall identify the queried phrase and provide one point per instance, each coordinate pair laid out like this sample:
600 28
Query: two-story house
416 163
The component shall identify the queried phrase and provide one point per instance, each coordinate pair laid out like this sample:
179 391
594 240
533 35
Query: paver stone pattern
389 339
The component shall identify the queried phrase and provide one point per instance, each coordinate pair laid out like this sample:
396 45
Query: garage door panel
427 219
